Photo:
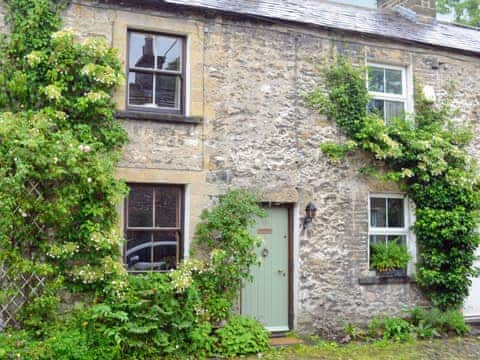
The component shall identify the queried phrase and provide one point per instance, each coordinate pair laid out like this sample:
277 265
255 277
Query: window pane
376 79
394 81
141 50
168 91
166 207
140 88
378 212
375 239
394 110
139 250
399 239
140 207
169 53
396 214
165 250
377 106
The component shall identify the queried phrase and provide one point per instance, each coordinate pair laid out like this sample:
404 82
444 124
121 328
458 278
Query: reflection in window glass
167 93
376 79
140 207
140 88
138 255
378 212
141 53
169 51
153 245
396 213
166 206
156 71
393 80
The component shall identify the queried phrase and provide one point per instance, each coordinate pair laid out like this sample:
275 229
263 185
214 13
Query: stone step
285 341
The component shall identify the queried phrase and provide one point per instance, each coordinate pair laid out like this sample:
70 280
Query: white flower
34 58
52 92
89 180
95 96
84 148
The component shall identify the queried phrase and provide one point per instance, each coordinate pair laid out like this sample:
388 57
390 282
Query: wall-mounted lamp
310 213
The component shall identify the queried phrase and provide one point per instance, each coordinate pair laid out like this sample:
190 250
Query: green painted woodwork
266 298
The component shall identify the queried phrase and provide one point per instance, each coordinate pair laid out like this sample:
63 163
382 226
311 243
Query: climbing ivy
426 153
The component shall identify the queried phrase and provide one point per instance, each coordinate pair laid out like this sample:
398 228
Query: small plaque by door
264 231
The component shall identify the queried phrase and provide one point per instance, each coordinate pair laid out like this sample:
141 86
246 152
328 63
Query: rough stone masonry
258 133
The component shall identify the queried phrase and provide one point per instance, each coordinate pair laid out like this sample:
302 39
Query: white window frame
405 97
401 231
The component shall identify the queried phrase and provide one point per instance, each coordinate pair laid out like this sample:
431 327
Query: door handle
281 272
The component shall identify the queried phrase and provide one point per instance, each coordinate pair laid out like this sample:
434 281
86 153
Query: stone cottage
214 99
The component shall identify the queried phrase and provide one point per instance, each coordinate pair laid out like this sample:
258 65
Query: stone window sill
377 280
159 117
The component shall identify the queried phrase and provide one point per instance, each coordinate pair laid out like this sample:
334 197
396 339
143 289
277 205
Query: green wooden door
266 298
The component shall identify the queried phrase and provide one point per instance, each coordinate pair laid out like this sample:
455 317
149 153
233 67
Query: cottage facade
214 99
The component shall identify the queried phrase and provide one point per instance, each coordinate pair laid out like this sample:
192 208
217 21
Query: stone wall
257 133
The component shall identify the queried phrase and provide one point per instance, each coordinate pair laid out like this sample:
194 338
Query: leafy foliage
466 11
440 322
59 143
388 257
242 336
427 155
226 230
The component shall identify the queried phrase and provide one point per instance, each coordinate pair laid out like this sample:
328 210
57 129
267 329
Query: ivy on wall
426 153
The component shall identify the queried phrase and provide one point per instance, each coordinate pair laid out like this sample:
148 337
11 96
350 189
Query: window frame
182 73
404 97
179 229
390 231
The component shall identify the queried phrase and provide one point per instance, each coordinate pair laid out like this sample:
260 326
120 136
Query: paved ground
441 349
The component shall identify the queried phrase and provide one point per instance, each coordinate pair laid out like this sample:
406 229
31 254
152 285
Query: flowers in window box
387 257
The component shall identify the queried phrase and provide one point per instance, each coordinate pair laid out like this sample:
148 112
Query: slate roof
385 23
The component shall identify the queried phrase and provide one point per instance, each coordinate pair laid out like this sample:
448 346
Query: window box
392 273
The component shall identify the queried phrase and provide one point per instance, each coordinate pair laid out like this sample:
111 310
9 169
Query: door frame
290 207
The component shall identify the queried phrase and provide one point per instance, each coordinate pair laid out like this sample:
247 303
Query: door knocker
265 252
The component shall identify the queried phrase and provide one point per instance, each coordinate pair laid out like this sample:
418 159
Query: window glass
153 245
393 110
140 88
376 79
140 207
138 254
393 81
156 72
378 212
387 110
167 93
399 239
168 52
166 206
141 53
396 214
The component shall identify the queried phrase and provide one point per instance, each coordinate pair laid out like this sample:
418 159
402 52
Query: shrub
441 322
242 336
397 329
389 328
388 257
